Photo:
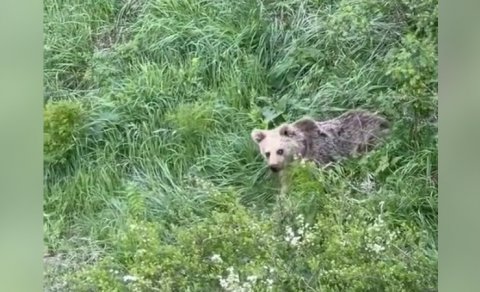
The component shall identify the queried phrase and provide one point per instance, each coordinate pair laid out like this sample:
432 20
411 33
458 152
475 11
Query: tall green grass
149 167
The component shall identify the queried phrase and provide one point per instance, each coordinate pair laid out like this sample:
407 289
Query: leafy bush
325 242
63 124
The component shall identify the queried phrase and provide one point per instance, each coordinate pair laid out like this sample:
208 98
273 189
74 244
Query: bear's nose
274 168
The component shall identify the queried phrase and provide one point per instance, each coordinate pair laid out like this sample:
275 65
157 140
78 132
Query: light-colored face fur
279 146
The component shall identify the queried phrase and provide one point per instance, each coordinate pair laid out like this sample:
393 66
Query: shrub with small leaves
63 122
323 241
232 245
413 65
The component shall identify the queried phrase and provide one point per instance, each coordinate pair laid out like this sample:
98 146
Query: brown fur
352 133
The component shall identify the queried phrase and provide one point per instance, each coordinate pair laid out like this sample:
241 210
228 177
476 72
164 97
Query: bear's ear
306 125
286 130
258 135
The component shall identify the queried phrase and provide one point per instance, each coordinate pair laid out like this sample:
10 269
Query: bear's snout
274 168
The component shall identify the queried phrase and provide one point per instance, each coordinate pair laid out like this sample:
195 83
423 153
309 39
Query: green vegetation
153 184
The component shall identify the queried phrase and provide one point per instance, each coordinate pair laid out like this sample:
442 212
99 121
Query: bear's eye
267 154
280 151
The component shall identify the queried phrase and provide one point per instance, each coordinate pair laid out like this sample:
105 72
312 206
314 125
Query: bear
353 133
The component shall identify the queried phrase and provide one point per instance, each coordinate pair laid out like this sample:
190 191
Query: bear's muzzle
274 168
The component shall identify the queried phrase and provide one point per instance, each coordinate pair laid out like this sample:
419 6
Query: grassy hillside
152 182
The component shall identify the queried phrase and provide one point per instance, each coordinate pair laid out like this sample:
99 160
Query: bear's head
279 146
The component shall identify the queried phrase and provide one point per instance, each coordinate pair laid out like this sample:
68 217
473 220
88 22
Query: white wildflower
128 278
232 282
271 270
290 237
391 236
223 283
245 287
252 279
375 247
216 258
289 232
300 218
378 248
295 240
301 231
270 283
230 270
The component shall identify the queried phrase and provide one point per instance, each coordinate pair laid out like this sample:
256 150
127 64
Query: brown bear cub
352 133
